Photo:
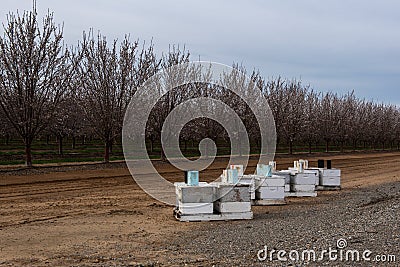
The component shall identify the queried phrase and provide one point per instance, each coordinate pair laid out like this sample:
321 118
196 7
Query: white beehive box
270 192
330 172
232 207
230 193
316 174
330 180
250 181
302 187
286 174
318 171
196 194
304 179
274 181
180 184
195 208
246 179
183 192
233 199
330 177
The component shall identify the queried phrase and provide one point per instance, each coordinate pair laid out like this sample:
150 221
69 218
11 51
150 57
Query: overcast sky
334 45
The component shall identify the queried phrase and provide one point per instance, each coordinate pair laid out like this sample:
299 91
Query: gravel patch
366 218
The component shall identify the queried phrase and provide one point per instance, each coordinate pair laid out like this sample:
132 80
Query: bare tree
358 119
397 128
171 99
67 122
293 107
386 125
6 129
310 133
34 74
345 115
327 119
369 127
106 76
37 71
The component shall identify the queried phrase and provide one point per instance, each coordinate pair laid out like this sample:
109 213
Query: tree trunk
151 145
309 147
107 146
47 139
327 146
73 142
290 147
28 154
163 158
83 140
342 146
60 145
354 145
7 139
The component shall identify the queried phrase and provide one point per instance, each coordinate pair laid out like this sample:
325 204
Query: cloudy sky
334 45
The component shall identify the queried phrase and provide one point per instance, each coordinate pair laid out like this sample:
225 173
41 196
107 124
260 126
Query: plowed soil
100 217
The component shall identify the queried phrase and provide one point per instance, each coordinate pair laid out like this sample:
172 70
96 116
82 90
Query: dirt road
100 217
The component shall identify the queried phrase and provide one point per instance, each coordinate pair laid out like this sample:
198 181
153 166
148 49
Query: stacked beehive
328 178
284 173
226 200
270 189
307 169
232 199
233 196
303 181
193 197
250 181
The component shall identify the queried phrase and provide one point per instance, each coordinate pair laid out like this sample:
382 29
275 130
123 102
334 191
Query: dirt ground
100 217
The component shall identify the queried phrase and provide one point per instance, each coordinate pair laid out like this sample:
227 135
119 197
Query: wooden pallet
300 194
268 202
327 188
212 217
